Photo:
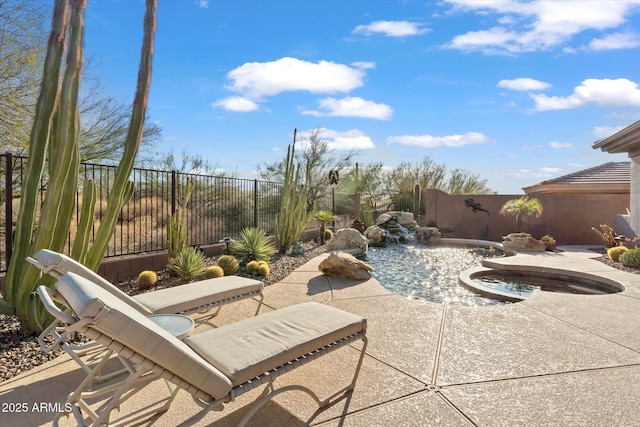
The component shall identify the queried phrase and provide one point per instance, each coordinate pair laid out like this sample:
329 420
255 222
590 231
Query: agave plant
188 263
253 246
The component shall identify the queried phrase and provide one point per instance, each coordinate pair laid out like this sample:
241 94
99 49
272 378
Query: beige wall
567 217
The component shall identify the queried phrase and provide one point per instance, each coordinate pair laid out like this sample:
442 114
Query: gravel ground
19 348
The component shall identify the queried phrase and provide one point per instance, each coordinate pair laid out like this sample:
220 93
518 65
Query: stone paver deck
552 360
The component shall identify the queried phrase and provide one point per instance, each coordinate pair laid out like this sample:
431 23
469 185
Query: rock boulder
522 242
428 235
375 235
348 239
340 264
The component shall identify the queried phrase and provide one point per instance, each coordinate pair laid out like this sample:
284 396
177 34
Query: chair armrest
52 308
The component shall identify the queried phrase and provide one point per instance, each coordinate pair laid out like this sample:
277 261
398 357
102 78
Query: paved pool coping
551 360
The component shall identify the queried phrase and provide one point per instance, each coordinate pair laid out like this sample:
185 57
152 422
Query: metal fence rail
219 207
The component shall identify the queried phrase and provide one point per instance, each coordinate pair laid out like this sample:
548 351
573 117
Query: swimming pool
429 273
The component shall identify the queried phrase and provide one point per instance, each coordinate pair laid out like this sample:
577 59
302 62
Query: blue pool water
428 273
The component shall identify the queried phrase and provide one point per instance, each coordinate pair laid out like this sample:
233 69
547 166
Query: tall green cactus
55 134
292 219
177 222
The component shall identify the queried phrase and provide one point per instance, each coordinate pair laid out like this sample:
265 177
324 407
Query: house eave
580 188
626 140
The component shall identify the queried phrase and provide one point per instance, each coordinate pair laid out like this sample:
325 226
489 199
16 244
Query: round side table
176 324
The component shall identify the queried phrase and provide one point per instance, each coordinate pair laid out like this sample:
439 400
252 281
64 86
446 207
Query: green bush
253 246
615 252
213 272
188 263
147 279
229 264
631 258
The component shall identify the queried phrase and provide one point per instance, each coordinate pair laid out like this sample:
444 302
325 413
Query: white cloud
560 145
353 139
599 92
606 131
236 103
255 80
615 41
391 28
546 171
428 141
351 107
203 3
523 83
525 26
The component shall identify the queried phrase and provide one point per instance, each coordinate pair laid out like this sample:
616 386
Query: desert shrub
229 264
631 258
252 267
615 252
253 246
147 279
188 263
213 272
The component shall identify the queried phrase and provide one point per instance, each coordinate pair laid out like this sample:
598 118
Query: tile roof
607 174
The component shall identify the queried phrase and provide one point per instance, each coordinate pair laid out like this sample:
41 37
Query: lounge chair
197 298
215 366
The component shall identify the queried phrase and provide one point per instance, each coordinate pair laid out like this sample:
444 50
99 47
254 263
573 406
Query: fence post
255 203
416 202
173 192
8 183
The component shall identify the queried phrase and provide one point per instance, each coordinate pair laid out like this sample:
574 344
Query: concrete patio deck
552 360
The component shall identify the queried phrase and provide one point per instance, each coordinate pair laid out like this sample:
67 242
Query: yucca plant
323 217
188 263
253 246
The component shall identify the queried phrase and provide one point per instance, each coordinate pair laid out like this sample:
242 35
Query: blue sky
514 91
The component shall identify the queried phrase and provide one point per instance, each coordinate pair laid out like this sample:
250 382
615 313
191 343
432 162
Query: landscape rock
405 219
340 264
375 235
428 235
348 239
522 242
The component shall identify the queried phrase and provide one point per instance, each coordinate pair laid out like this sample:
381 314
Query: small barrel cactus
328 234
147 279
631 258
229 264
213 272
252 267
263 269
615 252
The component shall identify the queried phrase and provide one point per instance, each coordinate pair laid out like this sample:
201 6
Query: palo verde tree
54 143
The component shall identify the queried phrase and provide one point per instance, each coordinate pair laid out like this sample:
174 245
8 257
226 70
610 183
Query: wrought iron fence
219 207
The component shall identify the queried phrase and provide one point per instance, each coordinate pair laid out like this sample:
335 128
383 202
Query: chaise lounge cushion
59 264
120 322
165 301
251 347
197 294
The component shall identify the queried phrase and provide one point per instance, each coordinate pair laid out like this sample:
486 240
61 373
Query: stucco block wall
567 217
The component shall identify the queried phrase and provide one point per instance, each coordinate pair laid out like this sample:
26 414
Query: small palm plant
254 245
521 208
323 217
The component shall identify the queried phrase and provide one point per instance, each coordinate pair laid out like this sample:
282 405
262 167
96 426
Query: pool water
523 286
429 273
